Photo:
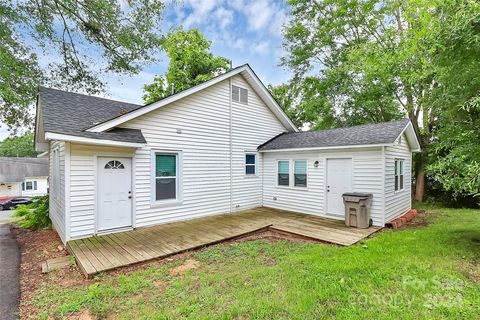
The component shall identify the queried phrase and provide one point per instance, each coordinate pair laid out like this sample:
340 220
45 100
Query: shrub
35 215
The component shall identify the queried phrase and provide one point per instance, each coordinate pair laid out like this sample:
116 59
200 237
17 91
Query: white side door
339 181
114 193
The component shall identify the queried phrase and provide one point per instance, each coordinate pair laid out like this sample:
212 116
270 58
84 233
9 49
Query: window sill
165 203
292 188
251 176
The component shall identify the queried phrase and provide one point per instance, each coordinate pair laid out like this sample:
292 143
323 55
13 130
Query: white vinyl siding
367 177
252 125
57 193
397 202
198 126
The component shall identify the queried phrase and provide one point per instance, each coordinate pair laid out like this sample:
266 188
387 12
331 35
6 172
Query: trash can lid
357 194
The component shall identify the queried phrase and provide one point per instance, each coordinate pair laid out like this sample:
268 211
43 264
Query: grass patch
426 272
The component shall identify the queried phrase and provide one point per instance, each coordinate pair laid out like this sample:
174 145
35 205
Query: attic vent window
239 94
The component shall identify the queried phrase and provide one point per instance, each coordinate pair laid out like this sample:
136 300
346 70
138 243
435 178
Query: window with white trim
399 174
283 169
300 173
166 176
29 185
239 94
250 163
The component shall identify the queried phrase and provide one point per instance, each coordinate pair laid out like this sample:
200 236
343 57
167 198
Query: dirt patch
161 286
35 247
189 264
82 315
420 220
273 236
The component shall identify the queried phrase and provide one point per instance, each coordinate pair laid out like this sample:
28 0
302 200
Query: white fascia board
103 142
143 110
411 137
329 148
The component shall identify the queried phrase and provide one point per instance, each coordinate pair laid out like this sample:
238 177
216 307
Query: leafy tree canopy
18 146
378 60
191 63
455 157
86 39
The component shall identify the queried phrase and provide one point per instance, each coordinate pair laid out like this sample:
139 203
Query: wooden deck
107 252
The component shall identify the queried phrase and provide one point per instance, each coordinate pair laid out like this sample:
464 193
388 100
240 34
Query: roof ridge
269 140
88 95
355 126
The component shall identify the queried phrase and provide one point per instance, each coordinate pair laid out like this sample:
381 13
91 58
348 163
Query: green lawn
424 272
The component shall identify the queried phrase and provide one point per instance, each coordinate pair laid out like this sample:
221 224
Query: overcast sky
245 31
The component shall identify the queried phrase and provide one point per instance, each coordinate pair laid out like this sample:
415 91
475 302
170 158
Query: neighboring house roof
71 113
364 135
17 169
244 70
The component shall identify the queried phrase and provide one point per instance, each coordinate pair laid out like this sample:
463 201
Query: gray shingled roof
370 134
72 113
16 169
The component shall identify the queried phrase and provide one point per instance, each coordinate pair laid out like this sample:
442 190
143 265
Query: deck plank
106 252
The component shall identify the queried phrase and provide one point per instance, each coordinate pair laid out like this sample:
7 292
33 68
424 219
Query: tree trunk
420 180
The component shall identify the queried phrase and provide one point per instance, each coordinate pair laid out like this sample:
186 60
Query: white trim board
411 137
103 142
259 88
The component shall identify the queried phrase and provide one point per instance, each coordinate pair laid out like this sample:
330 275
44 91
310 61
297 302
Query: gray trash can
357 209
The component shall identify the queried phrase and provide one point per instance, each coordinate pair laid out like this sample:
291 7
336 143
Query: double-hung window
399 174
250 164
283 173
300 173
166 176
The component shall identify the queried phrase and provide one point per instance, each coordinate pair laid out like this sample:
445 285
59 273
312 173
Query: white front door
114 193
339 181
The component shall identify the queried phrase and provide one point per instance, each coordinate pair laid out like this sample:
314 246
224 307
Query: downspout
67 173
384 164
230 137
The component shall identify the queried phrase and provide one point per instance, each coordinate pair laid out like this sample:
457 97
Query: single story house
23 177
222 146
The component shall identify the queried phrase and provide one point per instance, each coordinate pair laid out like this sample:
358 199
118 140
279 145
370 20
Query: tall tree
68 44
18 146
455 159
372 61
191 63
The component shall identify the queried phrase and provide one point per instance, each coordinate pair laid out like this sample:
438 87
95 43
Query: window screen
300 173
165 176
283 173
250 163
399 174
